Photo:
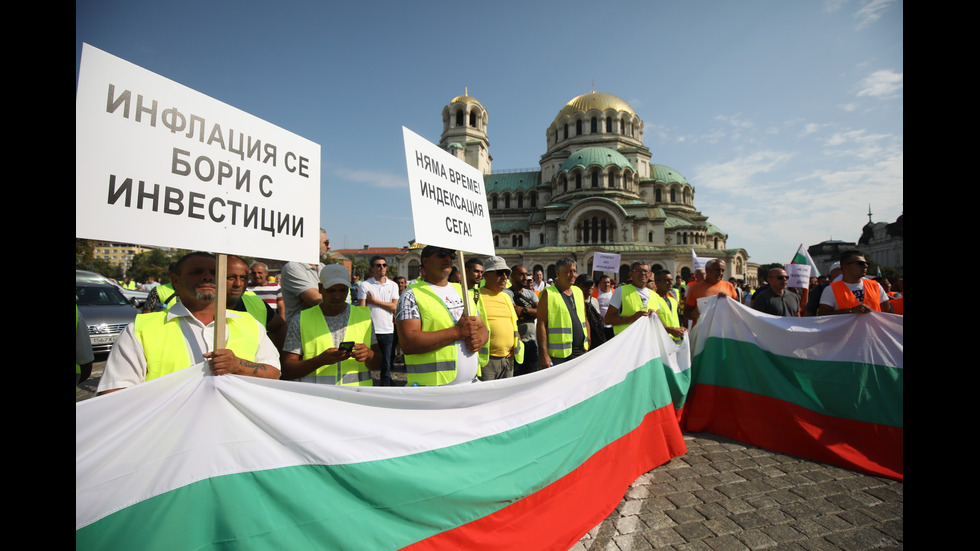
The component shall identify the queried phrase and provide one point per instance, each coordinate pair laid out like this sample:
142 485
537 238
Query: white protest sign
449 204
799 276
606 262
157 163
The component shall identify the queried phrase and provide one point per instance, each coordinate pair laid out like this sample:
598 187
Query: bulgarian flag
829 388
803 257
193 461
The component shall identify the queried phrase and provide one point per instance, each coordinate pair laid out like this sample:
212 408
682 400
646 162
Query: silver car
106 312
137 298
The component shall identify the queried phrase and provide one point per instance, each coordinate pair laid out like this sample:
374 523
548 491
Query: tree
85 259
764 271
154 262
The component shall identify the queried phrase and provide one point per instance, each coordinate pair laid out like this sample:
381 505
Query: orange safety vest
846 299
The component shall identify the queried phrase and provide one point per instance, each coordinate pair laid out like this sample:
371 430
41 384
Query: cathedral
596 191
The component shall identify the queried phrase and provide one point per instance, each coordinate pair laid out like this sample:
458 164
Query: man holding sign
439 342
161 343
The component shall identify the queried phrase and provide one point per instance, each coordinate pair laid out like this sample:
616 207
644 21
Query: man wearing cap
332 343
439 342
497 357
160 343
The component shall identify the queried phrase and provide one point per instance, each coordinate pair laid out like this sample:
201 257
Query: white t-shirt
385 292
604 299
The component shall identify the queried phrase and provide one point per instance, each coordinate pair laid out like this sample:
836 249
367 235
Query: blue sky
787 117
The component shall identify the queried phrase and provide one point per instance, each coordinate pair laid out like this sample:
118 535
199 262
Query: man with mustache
161 343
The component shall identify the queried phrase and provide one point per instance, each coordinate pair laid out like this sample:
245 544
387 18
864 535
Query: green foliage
85 259
764 271
154 262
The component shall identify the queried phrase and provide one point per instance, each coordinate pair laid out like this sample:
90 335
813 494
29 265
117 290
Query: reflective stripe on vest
165 349
847 299
560 322
255 306
632 303
317 339
437 367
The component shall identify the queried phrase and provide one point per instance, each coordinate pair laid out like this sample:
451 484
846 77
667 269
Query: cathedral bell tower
464 132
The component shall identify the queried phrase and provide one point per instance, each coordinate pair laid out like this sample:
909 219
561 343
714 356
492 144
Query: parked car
136 298
106 312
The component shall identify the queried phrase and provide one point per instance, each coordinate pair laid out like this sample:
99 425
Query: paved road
724 495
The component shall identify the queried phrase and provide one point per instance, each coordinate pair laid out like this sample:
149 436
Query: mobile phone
346 345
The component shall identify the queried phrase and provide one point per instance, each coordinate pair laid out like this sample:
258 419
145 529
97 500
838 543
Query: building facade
596 190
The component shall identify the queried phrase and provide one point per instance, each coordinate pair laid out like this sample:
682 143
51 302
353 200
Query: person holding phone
332 343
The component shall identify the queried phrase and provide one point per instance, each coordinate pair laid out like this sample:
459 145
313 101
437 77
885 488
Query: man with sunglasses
380 294
853 294
439 342
775 299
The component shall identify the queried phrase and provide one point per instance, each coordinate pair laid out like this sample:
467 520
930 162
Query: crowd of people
318 324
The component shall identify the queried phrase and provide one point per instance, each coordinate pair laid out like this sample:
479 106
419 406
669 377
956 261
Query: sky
786 117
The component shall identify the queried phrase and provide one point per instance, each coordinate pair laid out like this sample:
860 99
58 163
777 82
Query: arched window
612 179
609 125
496 241
566 131
513 241
578 181
716 242
506 200
473 118
520 240
459 118
650 237
541 238
659 195
622 126
595 125
520 200
534 200
673 196
578 127
493 202
595 179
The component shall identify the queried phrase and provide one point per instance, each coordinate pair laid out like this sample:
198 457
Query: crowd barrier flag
829 388
192 461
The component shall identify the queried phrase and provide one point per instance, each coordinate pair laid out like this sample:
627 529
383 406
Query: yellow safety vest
166 350
317 340
437 367
255 306
164 292
560 322
485 351
632 303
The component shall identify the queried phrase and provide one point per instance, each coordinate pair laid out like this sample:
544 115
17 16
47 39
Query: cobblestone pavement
724 495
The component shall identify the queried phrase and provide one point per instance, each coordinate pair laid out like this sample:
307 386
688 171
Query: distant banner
606 262
449 204
157 163
799 276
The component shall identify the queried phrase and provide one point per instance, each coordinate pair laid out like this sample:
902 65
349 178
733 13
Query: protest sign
799 276
606 262
158 163
449 204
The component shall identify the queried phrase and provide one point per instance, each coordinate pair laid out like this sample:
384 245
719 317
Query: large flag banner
193 461
829 388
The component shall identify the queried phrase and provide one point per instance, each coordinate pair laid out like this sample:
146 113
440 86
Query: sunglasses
380 265
444 253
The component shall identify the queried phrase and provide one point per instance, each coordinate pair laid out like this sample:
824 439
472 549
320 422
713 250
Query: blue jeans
386 344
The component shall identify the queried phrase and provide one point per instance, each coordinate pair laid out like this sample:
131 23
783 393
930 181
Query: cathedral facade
596 191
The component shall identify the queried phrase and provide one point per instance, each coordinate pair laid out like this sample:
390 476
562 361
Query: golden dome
466 98
594 101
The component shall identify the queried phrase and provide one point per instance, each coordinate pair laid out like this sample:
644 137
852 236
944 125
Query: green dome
589 156
663 173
